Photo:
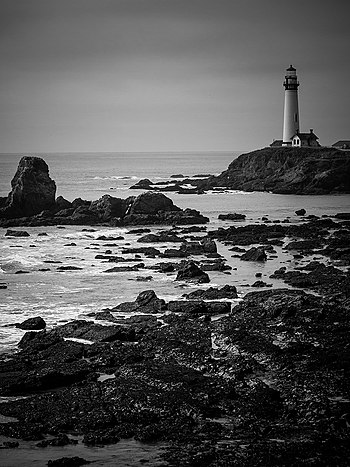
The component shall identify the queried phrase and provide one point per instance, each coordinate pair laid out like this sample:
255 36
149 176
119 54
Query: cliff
287 170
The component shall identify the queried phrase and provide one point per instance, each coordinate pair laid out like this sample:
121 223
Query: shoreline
257 385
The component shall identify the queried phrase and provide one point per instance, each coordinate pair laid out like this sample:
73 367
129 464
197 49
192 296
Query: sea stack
291 107
33 191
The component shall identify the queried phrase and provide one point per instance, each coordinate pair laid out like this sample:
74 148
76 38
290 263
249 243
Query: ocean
42 290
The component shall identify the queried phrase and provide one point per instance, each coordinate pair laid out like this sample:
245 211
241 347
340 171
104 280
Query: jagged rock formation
32 202
33 191
287 170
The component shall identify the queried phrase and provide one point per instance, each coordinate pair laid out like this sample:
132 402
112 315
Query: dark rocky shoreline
286 170
266 384
215 383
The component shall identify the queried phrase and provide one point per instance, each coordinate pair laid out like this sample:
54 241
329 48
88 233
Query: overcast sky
168 75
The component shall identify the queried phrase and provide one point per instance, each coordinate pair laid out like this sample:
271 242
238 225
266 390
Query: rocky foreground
214 383
265 384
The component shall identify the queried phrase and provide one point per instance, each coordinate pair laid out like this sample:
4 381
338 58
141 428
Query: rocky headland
307 171
285 170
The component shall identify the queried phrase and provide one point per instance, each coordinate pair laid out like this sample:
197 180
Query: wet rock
136 267
161 237
16 233
151 203
69 268
304 245
146 302
32 189
74 461
61 440
146 250
254 254
174 253
191 272
233 216
187 306
78 202
199 307
95 332
217 265
213 293
343 215
36 323
62 204
143 184
109 207
261 284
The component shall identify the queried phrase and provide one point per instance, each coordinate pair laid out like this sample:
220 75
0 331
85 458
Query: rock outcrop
287 170
33 191
32 202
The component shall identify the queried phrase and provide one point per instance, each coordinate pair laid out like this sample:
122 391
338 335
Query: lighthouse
291 108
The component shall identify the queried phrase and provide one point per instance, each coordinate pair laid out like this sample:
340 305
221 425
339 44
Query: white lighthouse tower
291 108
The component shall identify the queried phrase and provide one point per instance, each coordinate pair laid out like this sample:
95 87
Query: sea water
59 296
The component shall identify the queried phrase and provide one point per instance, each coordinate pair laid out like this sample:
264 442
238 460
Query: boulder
33 191
16 233
80 202
32 324
160 238
108 207
199 307
213 293
233 216
95 332
254 254
74 461
143 184
62 203
300 212
146 302
151 203
191 272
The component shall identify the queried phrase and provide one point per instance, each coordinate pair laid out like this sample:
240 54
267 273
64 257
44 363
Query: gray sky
168 75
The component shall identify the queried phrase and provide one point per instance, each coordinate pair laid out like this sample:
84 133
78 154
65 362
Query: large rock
287 170
33 191
191 272
227 291
109 207
152 203
254 254
36 323
146 302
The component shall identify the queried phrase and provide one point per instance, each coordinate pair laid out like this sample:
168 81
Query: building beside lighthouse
291 124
